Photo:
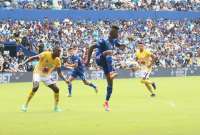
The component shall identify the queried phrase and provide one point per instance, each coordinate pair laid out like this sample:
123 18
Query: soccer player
76 64
145 60
104 50
48 62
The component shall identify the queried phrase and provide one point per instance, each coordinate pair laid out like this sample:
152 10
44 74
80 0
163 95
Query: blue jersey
74 59
105 45
101 60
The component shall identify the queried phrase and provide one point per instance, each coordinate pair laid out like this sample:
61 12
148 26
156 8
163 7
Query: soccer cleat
153 95
154 85
24 108
57 109
106 106
70 95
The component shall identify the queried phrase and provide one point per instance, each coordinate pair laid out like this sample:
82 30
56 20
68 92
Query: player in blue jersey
104 50
76 64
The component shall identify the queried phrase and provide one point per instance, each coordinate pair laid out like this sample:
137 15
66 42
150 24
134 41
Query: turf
175 111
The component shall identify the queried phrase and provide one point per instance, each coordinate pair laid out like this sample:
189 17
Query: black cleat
154 85
153 95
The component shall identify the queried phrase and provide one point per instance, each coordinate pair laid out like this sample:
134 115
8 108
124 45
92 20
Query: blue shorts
80 74
101 61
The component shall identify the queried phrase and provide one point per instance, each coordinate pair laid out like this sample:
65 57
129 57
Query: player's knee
35 89
86 82
55 89
69 84
35 86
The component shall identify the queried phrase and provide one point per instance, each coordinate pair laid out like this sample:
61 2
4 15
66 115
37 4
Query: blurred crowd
169 5
174 43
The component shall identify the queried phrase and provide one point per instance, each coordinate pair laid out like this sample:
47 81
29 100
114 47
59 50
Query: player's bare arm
71 65
36 57
91 48
60 74
108 52
152 60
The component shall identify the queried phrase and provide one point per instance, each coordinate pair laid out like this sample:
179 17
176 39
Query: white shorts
143 74
48 80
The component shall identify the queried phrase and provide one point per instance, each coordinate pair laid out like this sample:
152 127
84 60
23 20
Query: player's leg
56 96
32 93
112 73
86 82
70 79
108 60
36 80
148 85
109 92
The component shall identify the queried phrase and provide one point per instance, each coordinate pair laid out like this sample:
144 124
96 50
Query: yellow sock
30 96
146 81
56 98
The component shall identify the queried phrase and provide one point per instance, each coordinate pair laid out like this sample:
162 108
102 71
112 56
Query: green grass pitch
175 110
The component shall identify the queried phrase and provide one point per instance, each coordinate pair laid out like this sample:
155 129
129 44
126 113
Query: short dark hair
56 48
115 27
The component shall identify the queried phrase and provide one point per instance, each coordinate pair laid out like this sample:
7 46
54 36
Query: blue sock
92 85
70 88
109 93
109 63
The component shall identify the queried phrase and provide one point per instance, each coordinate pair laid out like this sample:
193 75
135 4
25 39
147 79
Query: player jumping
48 62
75 63
104 51
145 60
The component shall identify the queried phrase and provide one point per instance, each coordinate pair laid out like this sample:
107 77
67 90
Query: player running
104 50
76 64
48 62
145 59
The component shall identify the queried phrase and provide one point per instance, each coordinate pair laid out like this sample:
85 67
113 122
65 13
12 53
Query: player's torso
46 64
143 58
78 60
104 45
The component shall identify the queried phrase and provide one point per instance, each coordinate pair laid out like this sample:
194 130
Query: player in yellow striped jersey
145 60
48 62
